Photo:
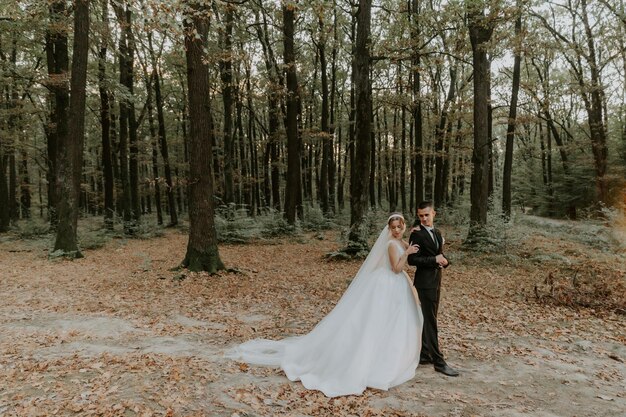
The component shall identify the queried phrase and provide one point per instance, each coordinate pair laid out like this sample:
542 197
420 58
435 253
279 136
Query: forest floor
118 333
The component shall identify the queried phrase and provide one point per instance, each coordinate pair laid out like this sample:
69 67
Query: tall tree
57 58
360 168
276 81
332 166
5 219
105 121
582 54
326 138
202 251
293 191
418 157
480 30
441 139
510 130
154 139
128 119
125 196
70 161
162 137
228 97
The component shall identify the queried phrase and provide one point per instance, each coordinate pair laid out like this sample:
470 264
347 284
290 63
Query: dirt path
116 334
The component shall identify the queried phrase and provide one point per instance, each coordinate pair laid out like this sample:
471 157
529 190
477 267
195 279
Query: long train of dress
372 338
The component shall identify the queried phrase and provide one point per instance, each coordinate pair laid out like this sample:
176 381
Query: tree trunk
340 177
71 146
58 70
25 196
360 168
442 128
332 166
202 252
13 211
272 154
372 176
326 137
105 121
480 33
133 163
510 129
594 109
544 77
293 191
418 158
125 197
379 160
252 148
5 219
154 139
491 186
162 138
402 183
226 76
245 180
129 168
393 155
15 133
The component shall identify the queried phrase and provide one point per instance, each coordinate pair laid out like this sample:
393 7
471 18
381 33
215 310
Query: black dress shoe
446 370
425 361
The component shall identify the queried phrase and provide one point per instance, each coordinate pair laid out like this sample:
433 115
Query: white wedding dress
372 338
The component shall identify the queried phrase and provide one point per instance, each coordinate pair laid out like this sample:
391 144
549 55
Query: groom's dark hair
425 204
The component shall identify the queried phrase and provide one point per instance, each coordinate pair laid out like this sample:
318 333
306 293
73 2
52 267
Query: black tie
431 232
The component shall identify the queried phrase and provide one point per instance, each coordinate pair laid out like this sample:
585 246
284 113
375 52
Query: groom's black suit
428 284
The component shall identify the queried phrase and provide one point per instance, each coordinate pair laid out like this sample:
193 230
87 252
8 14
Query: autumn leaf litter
119 333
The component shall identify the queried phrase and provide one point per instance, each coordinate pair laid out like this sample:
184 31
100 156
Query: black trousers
430 343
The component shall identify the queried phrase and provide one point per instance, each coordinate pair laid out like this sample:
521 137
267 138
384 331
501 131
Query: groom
430 262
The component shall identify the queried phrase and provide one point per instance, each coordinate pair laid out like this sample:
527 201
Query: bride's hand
412 249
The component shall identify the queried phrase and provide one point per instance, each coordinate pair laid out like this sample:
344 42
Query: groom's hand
441 260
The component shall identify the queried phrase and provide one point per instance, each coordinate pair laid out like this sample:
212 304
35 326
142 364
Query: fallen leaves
107 336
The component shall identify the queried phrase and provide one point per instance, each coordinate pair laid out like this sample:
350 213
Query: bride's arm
396 260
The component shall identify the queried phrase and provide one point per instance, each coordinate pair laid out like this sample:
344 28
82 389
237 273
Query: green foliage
357 242
94 239
314 220
591 233
577 188
33 229
241 228
148 230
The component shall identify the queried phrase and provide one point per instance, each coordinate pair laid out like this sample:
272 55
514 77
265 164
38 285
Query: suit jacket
428 272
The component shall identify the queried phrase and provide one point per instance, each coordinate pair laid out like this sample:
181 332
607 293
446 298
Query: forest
135 112
180 176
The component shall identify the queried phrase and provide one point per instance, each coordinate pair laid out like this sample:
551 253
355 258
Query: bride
372 338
